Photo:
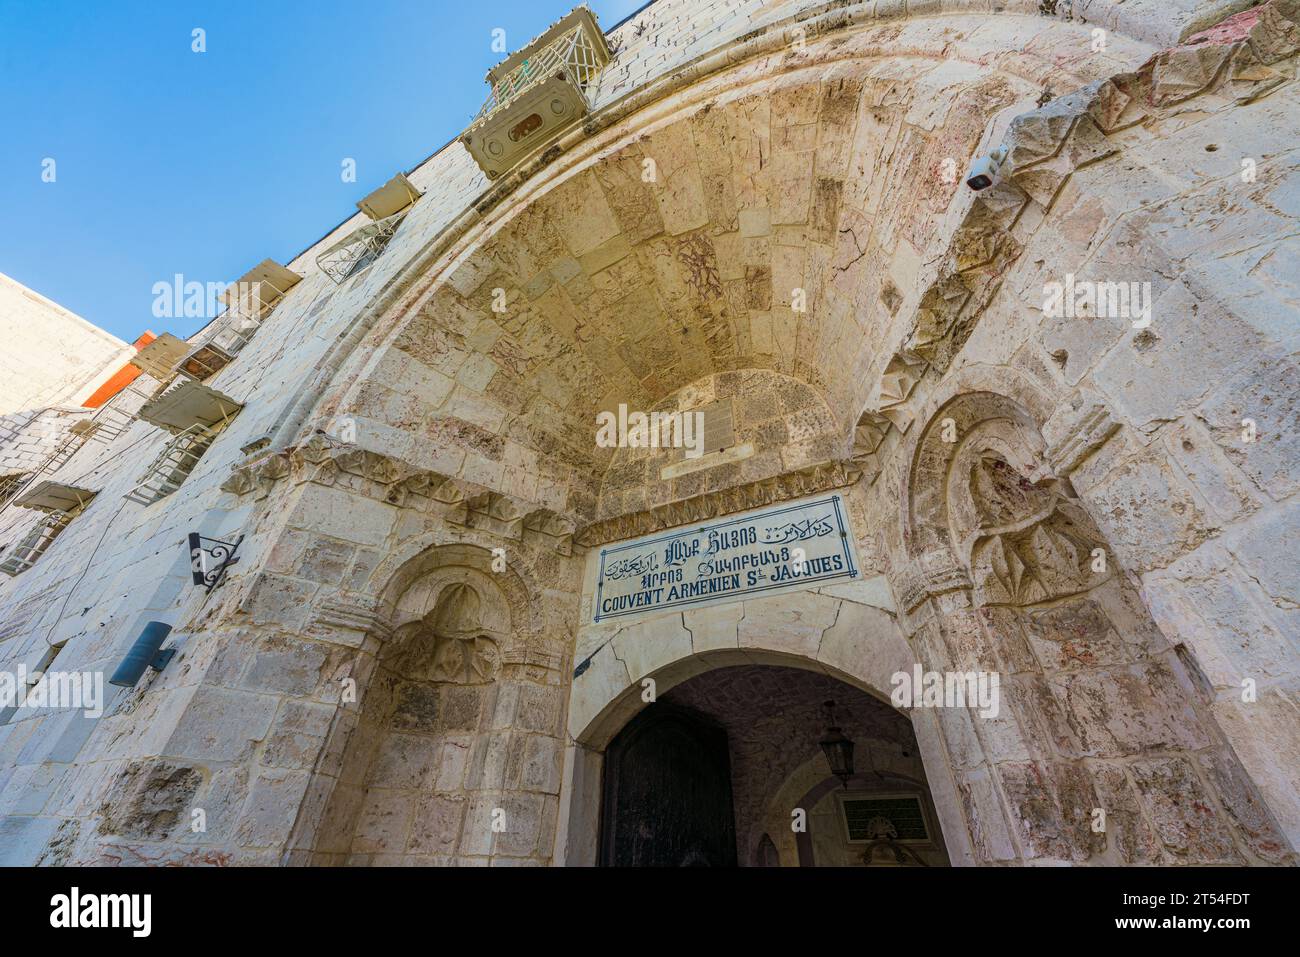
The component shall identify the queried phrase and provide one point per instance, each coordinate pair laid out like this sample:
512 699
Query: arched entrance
761 669
727 768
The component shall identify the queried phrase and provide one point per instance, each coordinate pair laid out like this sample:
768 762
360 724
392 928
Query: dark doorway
668 793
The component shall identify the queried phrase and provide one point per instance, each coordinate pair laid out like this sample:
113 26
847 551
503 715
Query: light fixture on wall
144 653
837 748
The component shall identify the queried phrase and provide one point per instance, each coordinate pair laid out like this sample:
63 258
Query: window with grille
10 485
174 464
33 677
24 555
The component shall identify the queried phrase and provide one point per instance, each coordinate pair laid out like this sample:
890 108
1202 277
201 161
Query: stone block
149 800
222 725
383 823
272 808
1123 711
1185 820
435 828
650 645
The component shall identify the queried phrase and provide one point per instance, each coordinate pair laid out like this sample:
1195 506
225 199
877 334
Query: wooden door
667 800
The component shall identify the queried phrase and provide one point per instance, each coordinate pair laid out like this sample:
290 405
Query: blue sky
170 161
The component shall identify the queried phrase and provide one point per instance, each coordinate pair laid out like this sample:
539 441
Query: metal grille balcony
570 56
11 485
250 300
33 546
538 93
114 417
68 446
174 464
359 249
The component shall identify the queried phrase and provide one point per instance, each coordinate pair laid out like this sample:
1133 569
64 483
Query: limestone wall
50 356
397 427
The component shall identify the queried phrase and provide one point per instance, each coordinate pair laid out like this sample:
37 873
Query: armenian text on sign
787 547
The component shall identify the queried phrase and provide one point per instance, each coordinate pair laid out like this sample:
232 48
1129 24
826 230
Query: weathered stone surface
148 800
396 665
1187 826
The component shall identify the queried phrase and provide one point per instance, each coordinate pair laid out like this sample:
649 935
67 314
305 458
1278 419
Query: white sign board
790 546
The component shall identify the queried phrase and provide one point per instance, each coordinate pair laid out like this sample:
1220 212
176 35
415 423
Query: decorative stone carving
1182 72
817 478
1052 558
321 461
1006 517
897 383
868 435
937 316
347 622
451 644
934 573
870 431
489 510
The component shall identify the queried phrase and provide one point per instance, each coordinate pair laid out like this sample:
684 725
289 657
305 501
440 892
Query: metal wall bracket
210 558
161 659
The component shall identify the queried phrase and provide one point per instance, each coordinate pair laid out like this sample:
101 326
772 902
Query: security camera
984 170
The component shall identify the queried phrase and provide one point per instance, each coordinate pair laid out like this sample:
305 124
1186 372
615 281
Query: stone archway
840 634
781 239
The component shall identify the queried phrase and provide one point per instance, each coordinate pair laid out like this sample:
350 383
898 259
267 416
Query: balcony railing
33 546
571 56
360 248
11 485
250 300
173 465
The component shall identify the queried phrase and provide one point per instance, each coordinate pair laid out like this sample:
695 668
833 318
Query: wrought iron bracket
210 558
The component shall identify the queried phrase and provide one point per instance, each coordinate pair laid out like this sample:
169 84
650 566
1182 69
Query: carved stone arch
984 499
1008 575
457 624
968 419
423 554
465 650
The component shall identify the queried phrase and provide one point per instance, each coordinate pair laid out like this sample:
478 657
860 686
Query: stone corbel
897 383
1076 434
937 315
350 622
555 530
868 435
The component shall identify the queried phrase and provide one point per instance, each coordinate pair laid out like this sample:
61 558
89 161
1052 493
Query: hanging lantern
837 748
